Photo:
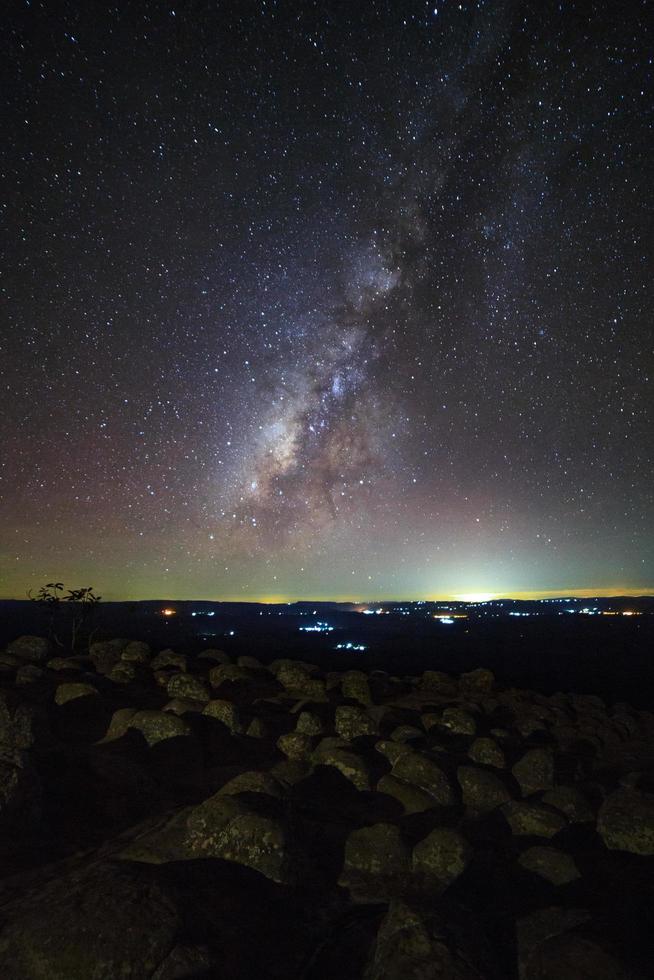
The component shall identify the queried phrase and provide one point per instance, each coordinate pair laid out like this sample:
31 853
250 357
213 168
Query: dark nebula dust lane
308 299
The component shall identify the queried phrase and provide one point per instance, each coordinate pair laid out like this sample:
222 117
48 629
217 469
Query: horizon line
468 597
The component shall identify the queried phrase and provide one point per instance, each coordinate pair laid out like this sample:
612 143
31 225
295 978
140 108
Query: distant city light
316 628
350 646
168 612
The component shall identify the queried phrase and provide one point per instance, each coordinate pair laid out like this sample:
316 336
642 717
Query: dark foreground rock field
166 817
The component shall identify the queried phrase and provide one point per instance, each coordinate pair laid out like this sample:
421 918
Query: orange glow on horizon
371 601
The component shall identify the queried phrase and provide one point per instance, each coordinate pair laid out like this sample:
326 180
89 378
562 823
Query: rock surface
164 815
441 857
625 822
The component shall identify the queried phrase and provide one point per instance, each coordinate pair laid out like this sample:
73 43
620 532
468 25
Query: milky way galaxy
324 439
314 299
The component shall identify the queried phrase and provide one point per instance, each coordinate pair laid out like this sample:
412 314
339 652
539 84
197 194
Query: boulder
625 822
224 827
430 720
392 750
157 726
122 673
554 865
571 956
481 790
527 722
355 685
477 683
29 674
406 733
70 692
458 721
567 736
413 799
537 927
309 723
136 652
182 706
441 857
252 782
119 724
296 745
226 712
438 682
62 663
8 664
20 724
377 862
422 772
532 819
168 658
351 722
105 654
257 729
184 963
589 702
20 797
487 752
410 946
229 673
333 680
333 752
535 771
33 649
186 686
571 802
625 720
112 921
215 656
296 678
291 771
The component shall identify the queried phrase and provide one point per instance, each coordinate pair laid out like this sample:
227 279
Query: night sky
327 299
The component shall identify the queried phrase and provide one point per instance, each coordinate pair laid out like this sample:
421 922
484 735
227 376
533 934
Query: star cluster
327 299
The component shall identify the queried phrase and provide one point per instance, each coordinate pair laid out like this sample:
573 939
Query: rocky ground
167 818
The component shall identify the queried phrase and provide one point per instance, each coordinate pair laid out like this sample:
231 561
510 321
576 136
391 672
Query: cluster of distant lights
449 617
326 628
446 619
587 611
168 613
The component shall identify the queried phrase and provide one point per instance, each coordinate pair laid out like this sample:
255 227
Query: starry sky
327 299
